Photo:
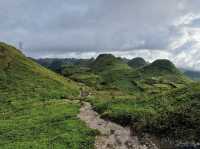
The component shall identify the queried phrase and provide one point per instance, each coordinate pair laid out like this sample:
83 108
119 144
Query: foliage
49 124
29 117
155 98
137 62
174 113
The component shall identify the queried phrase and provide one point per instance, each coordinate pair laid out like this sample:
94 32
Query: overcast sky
151 29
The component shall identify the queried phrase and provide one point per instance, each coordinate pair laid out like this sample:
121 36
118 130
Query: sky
152 29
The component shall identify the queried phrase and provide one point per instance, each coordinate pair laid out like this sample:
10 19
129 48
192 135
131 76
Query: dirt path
112 136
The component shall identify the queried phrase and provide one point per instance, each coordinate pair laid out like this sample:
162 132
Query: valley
154 98
120 104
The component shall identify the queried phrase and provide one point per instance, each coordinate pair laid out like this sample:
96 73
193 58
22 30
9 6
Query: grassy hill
161 67
137 62
32 112
173 115
108 62
155 98
161 75
110 72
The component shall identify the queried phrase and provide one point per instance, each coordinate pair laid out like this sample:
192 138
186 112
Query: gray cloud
151 29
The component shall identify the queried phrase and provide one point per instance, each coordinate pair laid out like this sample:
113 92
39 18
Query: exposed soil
112 136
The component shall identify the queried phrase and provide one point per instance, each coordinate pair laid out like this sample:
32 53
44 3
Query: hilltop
108 62
33 113
130 76
161 67
155 98
137 62
27 77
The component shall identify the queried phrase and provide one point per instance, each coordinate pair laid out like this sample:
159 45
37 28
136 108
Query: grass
32 112
51 124
109 72
155 98
173 114
107 62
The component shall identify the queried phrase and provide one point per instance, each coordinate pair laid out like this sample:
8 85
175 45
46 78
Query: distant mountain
156 97
161 67
108 71
137 62
56 64
195 75
108 62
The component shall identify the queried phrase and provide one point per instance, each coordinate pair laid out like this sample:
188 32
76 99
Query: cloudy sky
84 28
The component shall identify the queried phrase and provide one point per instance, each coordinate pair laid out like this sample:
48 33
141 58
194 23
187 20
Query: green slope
161 67
25 77
32 114
156 98
108 62
173 114
109 72
153 78
137 62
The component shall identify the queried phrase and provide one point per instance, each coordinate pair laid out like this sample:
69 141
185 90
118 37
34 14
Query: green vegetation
174 114
49 124
108 62
137 62
109 72
161 67
32 114
150 97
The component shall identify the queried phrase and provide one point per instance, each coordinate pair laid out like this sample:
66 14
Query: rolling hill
172 117
133 77
32 112
137 62
108 62
155 98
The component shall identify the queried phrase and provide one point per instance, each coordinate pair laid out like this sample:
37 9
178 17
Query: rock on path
112 136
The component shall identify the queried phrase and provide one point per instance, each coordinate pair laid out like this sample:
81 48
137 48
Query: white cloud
164 28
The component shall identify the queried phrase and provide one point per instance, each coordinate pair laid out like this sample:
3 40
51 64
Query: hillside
137 62
26 77
133 76
108 62
33 114
161 75
172 116
56 64
161 67
155 98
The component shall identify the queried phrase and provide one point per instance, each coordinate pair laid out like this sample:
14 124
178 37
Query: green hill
32 112
173 115
110 72
161 67
155 98
161 75
23 76
108 62
137 62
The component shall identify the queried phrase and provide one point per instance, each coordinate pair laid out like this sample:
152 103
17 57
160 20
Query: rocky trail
112 136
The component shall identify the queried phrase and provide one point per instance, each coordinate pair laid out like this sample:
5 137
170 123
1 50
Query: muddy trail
112 136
